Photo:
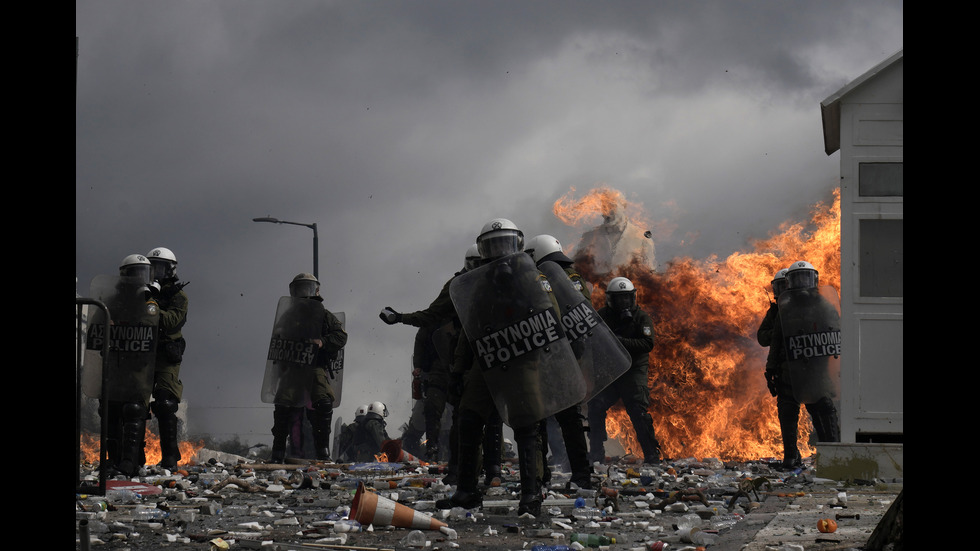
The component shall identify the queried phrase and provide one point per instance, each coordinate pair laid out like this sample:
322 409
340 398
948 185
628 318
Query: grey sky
401 127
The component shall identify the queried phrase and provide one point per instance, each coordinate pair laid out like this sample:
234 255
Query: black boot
281 417
131 446
492 449
825 421
166 413
320 418
452 476
467 494
529 457
573 433
544 475
788 413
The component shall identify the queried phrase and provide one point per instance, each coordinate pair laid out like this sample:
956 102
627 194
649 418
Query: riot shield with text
600 354
810 321
292 356
335 367
132 335
517 339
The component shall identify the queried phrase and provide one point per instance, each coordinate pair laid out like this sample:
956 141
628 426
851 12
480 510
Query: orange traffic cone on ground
394 452
371 508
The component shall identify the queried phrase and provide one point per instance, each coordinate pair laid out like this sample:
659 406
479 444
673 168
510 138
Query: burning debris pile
229 502
707 390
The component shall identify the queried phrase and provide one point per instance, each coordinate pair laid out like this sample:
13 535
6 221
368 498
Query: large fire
707 390
90 449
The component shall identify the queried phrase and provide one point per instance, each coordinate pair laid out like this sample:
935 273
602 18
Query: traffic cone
393 450
371 508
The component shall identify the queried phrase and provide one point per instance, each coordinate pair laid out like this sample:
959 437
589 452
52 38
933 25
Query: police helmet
545 247
499 237
378 408
621 294
361 411
164 263
802 275
138 266
304 285
779 283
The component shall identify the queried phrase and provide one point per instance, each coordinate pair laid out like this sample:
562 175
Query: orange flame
90 449
707 390
382 458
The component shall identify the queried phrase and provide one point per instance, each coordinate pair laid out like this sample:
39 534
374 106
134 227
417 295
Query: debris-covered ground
229 503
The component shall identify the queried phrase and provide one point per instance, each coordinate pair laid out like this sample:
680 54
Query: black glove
771 381
390 316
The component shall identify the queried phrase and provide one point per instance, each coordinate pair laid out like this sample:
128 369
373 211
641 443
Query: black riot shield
335 367
810 321
292 357
516 335
132 335
601 355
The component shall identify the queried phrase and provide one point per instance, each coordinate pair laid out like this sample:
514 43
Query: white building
865 121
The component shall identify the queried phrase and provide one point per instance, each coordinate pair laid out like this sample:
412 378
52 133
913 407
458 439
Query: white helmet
802 275
136 265
779 283
304 285
378 408
361 411
621 294
499 237
164 263
541 247
472 257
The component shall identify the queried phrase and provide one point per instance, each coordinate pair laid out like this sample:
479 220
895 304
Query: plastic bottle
688 521
415 538
592 540
346 526
587 513
144 512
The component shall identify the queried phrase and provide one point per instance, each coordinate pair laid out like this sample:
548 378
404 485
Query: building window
881 262
880 180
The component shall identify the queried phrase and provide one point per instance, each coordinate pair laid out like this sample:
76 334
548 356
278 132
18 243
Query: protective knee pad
165 408
131 412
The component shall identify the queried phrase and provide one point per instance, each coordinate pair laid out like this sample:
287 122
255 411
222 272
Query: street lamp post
316 240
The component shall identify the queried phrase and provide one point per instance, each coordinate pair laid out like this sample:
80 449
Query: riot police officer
801 294
547 248
307 380
634 328
128 395
371 434
435 345
764 334
503 289
345 445
167 386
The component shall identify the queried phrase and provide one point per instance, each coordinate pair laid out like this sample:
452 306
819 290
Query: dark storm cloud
401 127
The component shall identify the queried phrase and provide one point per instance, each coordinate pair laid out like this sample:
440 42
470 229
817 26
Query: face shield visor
163 269
779 285
143 272
500 243
802 279
303 288
621 301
